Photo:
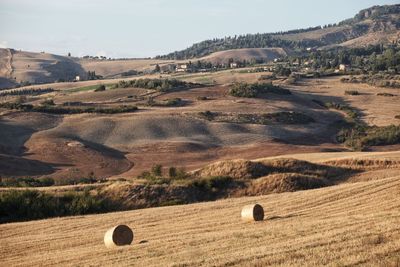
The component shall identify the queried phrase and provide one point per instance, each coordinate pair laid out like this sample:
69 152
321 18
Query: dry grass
352 224
285 182
238 169
114 67
365 164
375 110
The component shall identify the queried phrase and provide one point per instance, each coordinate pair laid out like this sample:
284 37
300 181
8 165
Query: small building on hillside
344 67
234 65
182 68
77 78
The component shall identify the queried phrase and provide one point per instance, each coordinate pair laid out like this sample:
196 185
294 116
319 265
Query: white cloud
3 44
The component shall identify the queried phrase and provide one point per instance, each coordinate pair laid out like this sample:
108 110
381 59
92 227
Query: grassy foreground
349 224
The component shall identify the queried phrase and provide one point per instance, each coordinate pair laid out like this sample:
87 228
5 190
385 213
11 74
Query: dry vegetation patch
380 80
284 117
284 182
256 90
238 169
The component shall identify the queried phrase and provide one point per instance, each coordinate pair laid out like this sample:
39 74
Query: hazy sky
145 28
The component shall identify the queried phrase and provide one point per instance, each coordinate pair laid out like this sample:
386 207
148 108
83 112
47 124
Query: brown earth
124 145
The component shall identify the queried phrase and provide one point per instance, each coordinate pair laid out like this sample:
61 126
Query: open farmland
179 135
258 149
349 224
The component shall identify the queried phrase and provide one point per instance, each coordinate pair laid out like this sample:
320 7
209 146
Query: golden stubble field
353 224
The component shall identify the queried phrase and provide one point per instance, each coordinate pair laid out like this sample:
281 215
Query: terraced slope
349 224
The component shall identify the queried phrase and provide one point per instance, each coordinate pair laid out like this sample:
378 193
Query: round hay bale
120 235
254 212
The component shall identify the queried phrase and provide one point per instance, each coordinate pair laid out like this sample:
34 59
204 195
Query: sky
146 28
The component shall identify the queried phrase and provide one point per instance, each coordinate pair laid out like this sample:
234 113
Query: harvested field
351 224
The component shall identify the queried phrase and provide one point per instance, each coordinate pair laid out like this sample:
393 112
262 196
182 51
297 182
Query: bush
351 92
64 110
380 80
48 102
385 94
28 91
212 185
361 137
156 170
31 205
157 84
208 115
172 172
100 88
256 89
353 114
278 117
26 182
155 176
263 119
173 102
291 80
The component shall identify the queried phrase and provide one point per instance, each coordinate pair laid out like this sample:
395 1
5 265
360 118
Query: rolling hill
313 137
376 25
366 28
22 67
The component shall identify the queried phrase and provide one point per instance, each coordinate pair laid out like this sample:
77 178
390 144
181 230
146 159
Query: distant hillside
245 54
378 24
21 67
375 25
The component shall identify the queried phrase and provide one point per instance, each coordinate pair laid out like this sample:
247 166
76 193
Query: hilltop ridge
368 24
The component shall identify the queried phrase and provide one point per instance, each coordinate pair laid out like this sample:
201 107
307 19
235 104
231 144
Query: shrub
267 77
173 102
157 84
100 88
48 102
351 92
31 205
156 170
380 80
26 182
385 94
263 119
64 110
342 107
256 89
208 115
81 180
172 172
361 136
291 80
212 184
28 91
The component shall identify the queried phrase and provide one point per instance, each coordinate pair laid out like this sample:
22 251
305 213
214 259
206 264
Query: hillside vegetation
366 22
